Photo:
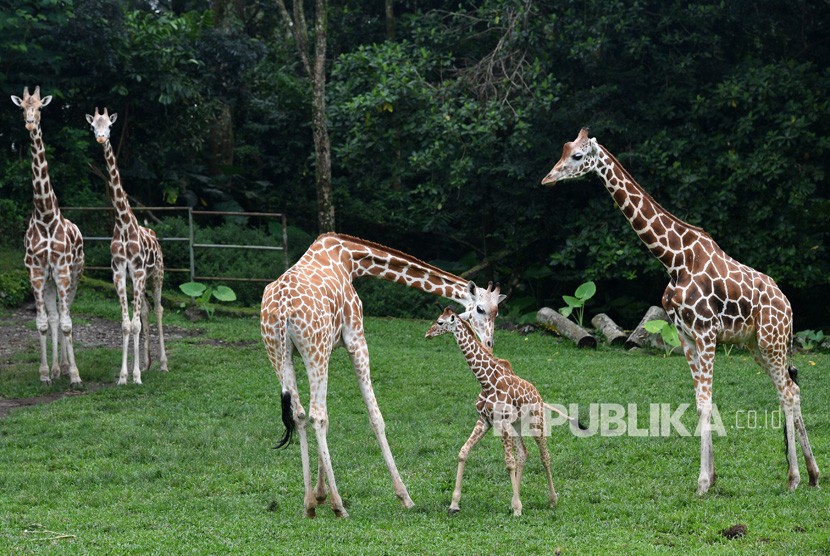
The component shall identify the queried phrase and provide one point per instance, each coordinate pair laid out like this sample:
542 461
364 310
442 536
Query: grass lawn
184 463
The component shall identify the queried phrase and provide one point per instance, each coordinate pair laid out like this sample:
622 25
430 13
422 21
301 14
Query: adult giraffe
54 251
710 298
313 308
135 252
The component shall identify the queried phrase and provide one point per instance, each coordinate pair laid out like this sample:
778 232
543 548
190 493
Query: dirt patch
17 336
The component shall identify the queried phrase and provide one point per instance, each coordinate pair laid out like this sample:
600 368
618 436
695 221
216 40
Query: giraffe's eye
577 156
479 309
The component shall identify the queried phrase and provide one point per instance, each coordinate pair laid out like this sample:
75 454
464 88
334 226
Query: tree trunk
322 143
296 24
390 21
566 327
613 333
642 337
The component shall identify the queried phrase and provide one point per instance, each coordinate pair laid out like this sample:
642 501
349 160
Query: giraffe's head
444 324
481 309
31 105
578 158
101 124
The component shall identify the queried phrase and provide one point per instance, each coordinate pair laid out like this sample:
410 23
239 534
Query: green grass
184 463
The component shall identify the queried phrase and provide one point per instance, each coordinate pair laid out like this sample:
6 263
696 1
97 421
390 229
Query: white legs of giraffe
771 355
53 297
766 354
478 433
515 463
132 326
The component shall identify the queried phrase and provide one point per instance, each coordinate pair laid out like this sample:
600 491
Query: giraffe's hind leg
771 355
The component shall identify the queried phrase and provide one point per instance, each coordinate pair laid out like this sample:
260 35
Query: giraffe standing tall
710 298
506 400
313 308
135 251
54 251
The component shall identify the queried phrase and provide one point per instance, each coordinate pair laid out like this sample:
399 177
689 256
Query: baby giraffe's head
446 323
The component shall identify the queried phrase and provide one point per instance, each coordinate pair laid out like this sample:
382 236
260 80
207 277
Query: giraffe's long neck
124 217
372 259
482 363
665 235
45 203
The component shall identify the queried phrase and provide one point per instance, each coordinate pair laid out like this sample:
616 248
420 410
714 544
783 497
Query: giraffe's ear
45 100
452 318
471 287
16 100
502 297
113 117
89 118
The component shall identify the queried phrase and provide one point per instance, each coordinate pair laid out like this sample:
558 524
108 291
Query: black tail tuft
287 420
793 372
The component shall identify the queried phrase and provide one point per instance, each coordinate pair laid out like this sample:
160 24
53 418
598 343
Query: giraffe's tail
285 399
793 372
287 420
573 420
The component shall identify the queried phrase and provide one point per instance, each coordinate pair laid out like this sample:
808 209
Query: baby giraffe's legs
479 431
510 463
542 442
521 456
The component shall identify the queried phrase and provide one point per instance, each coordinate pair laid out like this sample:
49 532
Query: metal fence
193 246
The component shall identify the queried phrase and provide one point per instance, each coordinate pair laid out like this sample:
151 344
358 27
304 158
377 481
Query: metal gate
193 246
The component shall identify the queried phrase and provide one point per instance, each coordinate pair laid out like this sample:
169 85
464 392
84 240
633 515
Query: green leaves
667 332
577 301
202 295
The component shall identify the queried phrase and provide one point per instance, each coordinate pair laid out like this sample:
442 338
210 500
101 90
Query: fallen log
565 327
608 328
642 337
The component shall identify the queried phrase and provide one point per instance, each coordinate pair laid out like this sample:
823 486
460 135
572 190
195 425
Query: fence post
190 244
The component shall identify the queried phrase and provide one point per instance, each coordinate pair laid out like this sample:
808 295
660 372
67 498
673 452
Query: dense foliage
442 130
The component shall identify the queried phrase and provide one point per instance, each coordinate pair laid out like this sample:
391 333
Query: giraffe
313 308
54 252
710 298
506 401
135 251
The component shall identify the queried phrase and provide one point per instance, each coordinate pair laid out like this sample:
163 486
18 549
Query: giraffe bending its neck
313 308
503 398
710 298
54 252
135 251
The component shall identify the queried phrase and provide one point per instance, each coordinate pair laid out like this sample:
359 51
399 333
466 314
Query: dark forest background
443 117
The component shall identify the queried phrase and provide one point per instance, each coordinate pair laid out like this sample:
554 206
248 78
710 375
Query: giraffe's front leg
64 300
139 282
700 354
53 318
41 322
119 278
481 428
510 463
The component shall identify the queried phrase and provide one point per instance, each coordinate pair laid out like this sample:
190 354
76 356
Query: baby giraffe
503 399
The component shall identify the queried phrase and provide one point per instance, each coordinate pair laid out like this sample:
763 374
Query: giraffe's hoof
792 484
45 381
341 512
453 511
77 386
56 373
311 513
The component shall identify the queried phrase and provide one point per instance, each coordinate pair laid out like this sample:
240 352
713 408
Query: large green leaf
224 293
572 301
193 289
586 291
655 326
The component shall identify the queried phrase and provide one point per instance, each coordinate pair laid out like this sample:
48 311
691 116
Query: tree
316 73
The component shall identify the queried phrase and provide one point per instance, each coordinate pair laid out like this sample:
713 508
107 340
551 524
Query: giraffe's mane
648 196
400 254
